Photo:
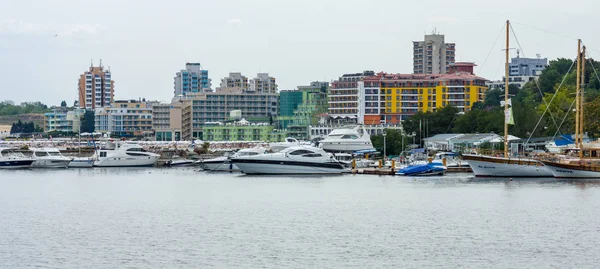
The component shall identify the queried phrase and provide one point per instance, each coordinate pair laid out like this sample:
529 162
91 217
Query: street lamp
384 146
413 135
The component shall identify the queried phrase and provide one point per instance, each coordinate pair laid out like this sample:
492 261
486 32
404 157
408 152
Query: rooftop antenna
91 62
538 55
517 53
100 62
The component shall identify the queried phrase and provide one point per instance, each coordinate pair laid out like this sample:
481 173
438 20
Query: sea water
185 218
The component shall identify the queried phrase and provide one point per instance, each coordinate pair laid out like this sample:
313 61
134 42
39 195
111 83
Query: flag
508 116
509 102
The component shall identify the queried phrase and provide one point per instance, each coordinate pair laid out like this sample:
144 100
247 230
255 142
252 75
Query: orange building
96 88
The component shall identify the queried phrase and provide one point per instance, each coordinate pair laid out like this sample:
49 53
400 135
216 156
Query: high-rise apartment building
263 83
96 88
343 97
191 79
235 80
432 55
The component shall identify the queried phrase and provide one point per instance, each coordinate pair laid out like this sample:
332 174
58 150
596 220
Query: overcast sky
146 42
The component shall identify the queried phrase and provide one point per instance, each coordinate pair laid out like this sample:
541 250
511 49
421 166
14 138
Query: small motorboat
428 169
178 161
82 162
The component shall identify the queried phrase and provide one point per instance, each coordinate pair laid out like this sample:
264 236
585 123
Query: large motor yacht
224 163
49 158
11 158
293 160
125 155
347 140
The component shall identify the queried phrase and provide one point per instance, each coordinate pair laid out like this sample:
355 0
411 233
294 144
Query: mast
582 102
577 103
506 115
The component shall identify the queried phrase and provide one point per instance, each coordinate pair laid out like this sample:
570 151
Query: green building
288 102
299 109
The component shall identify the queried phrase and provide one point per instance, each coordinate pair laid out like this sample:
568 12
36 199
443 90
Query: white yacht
224 163
293 160
125 155
49 158
279 146
347 140
11 158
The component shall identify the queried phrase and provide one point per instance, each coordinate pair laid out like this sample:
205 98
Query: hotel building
96 88
124 118
391 98
191 79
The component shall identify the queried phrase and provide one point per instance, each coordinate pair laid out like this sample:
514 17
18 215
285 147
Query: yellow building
391 98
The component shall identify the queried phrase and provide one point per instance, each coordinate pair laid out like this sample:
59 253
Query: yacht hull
51 163
560 170
15 164
127 162
485 166
276 167
346 146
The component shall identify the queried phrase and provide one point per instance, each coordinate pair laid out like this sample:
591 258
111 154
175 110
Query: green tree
88 121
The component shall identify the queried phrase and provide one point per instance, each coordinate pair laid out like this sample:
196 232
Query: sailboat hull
487 166
561 170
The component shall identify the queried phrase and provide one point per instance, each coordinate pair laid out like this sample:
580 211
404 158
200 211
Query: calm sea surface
183 218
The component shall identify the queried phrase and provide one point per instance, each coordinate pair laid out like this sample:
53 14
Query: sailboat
587 164
490 166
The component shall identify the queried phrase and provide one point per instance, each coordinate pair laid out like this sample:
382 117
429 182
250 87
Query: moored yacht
12 158
125 155
224 163
49 158
293 160
347 140
279 146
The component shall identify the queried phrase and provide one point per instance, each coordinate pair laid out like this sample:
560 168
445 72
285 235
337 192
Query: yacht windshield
54 154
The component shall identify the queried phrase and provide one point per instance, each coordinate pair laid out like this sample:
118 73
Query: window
389 91
300 152
103 154
41 154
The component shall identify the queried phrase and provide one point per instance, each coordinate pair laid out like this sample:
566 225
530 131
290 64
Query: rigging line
564 118
517 39
492 48
548 106
543 30
536 81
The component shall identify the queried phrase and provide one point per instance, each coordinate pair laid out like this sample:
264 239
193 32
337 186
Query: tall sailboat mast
582 102
577 103
506 111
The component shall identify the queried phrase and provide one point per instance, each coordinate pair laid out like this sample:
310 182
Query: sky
45 45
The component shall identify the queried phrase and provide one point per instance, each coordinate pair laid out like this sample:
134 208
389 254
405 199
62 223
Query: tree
88 122
393 142
63 103
75 103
